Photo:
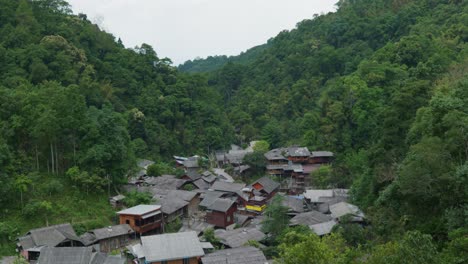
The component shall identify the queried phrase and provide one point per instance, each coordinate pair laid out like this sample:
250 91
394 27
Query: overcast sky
186 29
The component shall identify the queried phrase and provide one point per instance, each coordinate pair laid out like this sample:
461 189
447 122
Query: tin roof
171 246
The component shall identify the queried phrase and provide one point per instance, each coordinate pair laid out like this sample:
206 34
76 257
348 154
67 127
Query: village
205 199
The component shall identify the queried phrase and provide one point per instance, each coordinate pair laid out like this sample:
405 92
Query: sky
185 29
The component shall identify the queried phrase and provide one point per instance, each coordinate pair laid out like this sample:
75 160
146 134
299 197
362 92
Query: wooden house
143 218
261 191
109 238
321 157
221 213
62 235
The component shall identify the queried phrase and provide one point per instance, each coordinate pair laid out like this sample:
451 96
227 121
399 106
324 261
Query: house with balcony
143 219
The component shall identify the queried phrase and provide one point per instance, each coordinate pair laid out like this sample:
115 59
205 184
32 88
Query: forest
381 83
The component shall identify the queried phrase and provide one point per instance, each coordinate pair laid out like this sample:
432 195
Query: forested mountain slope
72 95
213 63
382 83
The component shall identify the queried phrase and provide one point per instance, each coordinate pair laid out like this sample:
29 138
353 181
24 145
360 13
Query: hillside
212 63
381 83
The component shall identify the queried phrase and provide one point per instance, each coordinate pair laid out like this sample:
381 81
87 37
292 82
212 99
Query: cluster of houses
199 200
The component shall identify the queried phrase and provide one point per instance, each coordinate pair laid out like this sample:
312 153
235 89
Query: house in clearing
221 212
63 235
175 248
143 218
109 238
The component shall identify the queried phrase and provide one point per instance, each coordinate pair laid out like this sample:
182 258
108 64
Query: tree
135 198
209 236
22 183
261 146
276 218
310 249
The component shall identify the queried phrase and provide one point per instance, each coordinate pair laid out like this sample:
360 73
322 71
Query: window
164 262
127 222
186 261
229 218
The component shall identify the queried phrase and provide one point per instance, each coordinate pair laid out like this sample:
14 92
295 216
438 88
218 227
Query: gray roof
195 225
201 184
140 209
167 182
315 195
238 237
228 186
223 175
268 184
105 233
48 236
169 206
171 246
242 255
241 219
322 154
341 209
62 255
323 228
309 218
294 204
76 255
181 194
193 174
275 154
221 205
191 162
210 198
208 177
298 152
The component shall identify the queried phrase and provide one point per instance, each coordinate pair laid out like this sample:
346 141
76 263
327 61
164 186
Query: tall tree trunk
52 157
56 160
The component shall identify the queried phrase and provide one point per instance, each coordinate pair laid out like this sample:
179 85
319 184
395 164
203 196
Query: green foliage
322 177
159 169
173 226
309 248
276 219
414 247
261 146
209 236
257 162
135 198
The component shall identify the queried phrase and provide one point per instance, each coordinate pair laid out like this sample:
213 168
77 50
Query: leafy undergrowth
53 201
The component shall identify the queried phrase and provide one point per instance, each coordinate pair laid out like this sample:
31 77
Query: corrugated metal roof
210 197
140 209
322 154
227 186
112 231
341 209
171 246
242 255
48 236
62 255
268 184
298 152
309 218
239 237
221 205
323 228
315 195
